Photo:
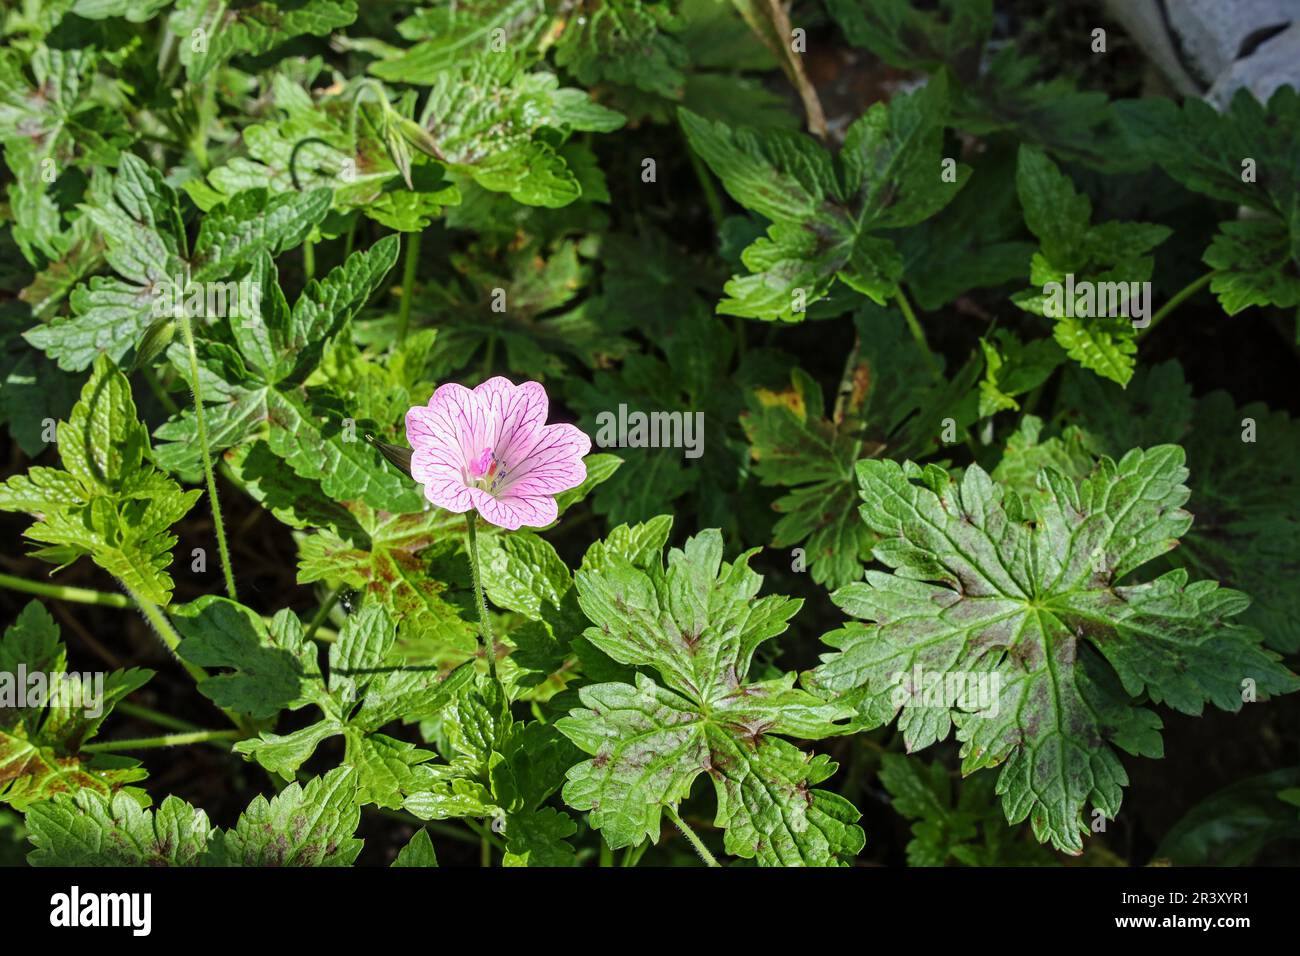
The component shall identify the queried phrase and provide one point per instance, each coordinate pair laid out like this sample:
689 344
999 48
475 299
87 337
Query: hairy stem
158 618
218 525
695 841
408 285
1181 296
65 593
155 616
485 626
166 740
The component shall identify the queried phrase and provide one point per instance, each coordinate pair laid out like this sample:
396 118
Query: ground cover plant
619 433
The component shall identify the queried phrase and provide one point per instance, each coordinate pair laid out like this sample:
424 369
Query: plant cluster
637 402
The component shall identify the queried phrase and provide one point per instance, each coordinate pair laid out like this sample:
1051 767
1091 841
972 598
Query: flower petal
516 415
513 511
554 463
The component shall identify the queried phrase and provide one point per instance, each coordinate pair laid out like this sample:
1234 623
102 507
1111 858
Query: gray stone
1215 47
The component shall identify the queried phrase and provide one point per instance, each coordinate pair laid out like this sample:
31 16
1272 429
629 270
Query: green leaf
905 36
1253 265
300 826
391 564
89 829
698 623
795 445
1013 368
522 572
1234 825
313 441
1244 155
972 243
483 117
995 91
32 388
628 43
1027 640
249 30
1107 265
1247 516
367 688
967 830
418 851
1028 452
40 743
447 35
109 503
535 282
499 769
666 456
251 222
279 347
138 217
824 210
273 666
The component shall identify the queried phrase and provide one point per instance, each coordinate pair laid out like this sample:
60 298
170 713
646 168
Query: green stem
917 332
158 618
141 712
1182 295
408 285
109 599
485 626
695 841
632 856
485 834
323 612
155 385
65 593
350 239
309 259
710 191
218 525
166 740
204 116
606 855
368 85
155 616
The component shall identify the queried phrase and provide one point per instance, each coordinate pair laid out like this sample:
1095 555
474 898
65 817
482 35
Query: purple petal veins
490 449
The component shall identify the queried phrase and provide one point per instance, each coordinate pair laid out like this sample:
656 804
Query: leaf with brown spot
1029 635
698 622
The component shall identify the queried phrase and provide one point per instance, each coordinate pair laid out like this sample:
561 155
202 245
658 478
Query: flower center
482 464
486 472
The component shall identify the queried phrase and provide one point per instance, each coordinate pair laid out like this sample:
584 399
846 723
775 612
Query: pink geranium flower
491 450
